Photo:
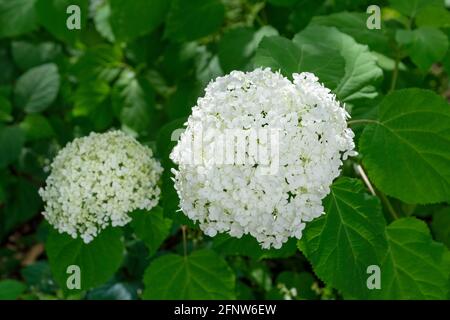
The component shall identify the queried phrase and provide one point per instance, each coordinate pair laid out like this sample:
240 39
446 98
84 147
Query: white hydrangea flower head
95 181
235 199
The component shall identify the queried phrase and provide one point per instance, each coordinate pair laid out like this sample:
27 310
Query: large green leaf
36 89
413 7
201 275
350 237
11 289
130 19
193 19
425 45
134 102
98 260
433 16
151 227
102 62
11 142
53 16
279 53
27 55
415 266
354 24
238 46
17 17
406 151
361 71
89 95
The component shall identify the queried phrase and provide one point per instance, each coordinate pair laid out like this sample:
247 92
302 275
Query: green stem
395 73
183 231
388 205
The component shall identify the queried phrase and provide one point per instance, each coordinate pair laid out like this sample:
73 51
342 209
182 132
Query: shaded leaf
98 260
151 227
190 20
201 275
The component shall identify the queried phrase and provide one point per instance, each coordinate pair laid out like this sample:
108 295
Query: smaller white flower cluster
96 180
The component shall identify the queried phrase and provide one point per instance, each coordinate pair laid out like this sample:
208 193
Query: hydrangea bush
114 158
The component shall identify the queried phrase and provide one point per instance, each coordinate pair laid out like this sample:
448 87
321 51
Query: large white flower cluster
237 199
96 180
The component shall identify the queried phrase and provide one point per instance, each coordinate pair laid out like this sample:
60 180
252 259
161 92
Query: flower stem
183 231
359 169
388 205
394 73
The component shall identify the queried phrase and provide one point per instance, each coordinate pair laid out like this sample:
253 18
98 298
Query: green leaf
283 3
433 16
238 45
361 70
98 260
183 99
413 7
102 62
279 53
165 144
36 127
134 101
5 110
441 226
248 246
91 100
23 205
193 19
53 16
406 151
7 67
27 55
17 17
346 240
151 227
232 48
36 89
131 19
11 289
425 45
12 140
101 20
207 66
89 95
201 275
354 24
415 266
